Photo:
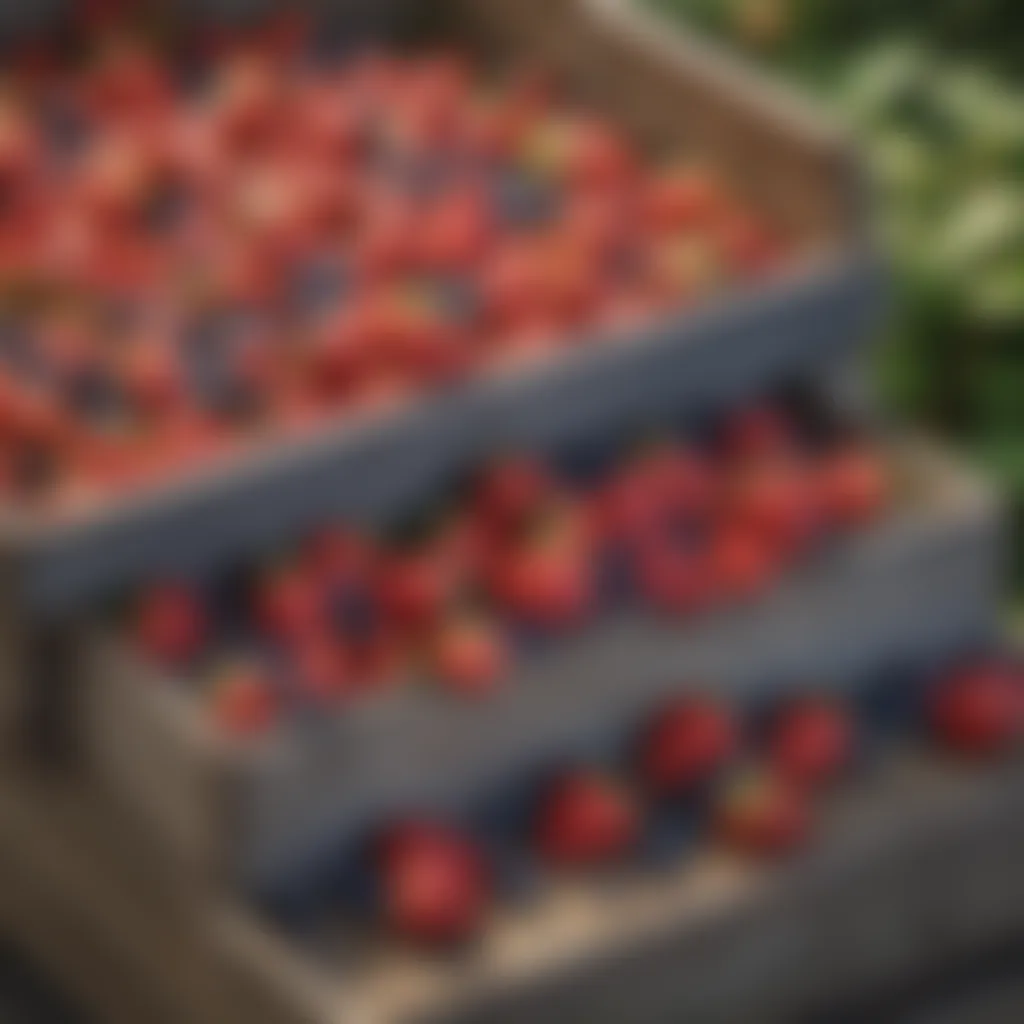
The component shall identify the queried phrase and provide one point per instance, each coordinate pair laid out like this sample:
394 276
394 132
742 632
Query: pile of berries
197 252
525 555
756 787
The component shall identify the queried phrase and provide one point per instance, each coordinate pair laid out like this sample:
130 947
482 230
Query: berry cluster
526 554
755 786
195 253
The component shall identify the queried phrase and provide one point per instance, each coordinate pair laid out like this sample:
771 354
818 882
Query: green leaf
903 162
885 77
996 297
987 221
986 111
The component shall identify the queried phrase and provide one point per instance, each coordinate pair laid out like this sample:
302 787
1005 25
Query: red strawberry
386 245
246 103
512 283
153 377
628 510
20 153
761 814
586 820
171 623
415 587
454 235
597 157
288 604
243 703
435 885
747 246
776 500
686 745
812 742
672 579
571 290
596 224
470 656
977 711
682 481
682 199
426 348
546 584
853 485
760 432
742 564
511 492
343 348
430 115
333 127
324 670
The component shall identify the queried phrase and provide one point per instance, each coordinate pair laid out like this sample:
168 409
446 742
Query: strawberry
686 745
586 820
434 883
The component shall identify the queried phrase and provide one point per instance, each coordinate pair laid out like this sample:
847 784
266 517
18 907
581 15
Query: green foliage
936 94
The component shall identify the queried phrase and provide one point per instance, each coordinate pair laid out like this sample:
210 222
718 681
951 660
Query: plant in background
939 105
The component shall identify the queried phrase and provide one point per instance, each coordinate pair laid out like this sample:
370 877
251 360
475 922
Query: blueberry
166 210
456 298
668 837
19 355
94 395
353 611
523 201
220 391
316 285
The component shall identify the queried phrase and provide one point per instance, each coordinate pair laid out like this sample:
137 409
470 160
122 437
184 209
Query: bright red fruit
387 242
415 587
324 671
597 224
244 704
686 745
454 235
763 815
248 99
335 554
746 246
171 623
19 150
153 377
742 564
425 347
288 604
571 288
598 157
682 481
30 414
547 584
853 486
512 281
776 500
628 509
978 711
115 181
432 105
470 656
435 885
760 432
511 492
342 349
587 820
812 742
682 199
673 579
